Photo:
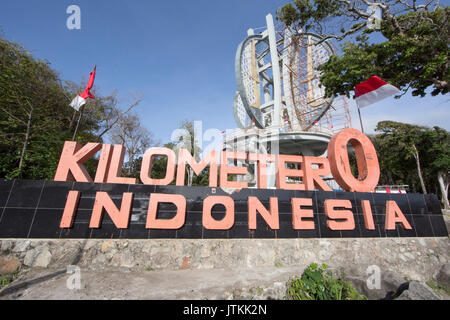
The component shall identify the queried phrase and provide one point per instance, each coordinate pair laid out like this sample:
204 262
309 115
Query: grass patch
318 284
437 287
7 279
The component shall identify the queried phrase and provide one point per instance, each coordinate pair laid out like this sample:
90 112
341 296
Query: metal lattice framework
278 83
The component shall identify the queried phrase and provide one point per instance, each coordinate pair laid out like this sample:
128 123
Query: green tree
405 148
36 119
159 166
395 168
413 54
408 139
437 157
32 117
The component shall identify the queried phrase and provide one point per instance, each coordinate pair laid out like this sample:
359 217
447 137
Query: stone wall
413 258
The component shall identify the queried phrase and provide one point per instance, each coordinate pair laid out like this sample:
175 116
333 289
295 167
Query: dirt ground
208 284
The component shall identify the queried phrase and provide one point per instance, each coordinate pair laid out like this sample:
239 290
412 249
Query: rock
391 287
418 291
443 277
186 263
390 281
29 258
106 245
5 246
43 259
38 257
127 260
22 245
100 259
9 266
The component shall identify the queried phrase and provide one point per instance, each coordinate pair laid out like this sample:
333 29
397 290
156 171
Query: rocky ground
254 283
217 269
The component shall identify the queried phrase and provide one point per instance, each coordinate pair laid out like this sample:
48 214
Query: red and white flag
82 97
373 90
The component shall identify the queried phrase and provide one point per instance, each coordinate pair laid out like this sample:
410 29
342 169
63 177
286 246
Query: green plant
437 287
6 280
317 284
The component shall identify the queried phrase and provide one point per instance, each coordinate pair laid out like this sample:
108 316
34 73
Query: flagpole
360 120
78 123
79 102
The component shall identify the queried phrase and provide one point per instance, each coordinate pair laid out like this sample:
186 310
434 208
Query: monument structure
292 145
279 105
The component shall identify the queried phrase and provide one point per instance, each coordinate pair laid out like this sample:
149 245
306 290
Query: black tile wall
45 224
356 232
78 231
16 222
438 225
366 233
162 234
326 232
417 203
54 194
240 227
5 189
215 234
25 194
192 228
33 209
107 231
422 225
135 231
432 204
286 229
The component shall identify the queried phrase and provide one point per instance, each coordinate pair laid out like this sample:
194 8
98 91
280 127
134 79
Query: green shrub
317 284
6 280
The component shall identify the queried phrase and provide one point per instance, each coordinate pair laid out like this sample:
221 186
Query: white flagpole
78 123
360 120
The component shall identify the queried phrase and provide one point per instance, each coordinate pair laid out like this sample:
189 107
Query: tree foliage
31 102
36 119
412 56
404 148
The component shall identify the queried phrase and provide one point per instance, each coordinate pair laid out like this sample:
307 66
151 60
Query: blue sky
178 54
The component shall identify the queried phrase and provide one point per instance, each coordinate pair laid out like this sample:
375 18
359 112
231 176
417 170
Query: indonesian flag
373 90
82 97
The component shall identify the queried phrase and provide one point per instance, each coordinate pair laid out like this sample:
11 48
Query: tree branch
345 34
12 116
108 127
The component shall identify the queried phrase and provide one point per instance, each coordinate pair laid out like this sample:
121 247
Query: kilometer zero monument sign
111 206
290 177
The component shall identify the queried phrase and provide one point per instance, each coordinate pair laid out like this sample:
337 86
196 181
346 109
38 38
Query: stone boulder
443 277
9 265
38 257
418 291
